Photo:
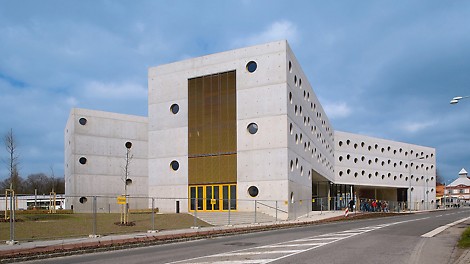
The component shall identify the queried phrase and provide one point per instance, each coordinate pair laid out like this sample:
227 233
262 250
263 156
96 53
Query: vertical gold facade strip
212 129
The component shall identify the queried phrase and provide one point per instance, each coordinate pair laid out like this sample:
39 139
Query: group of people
371 205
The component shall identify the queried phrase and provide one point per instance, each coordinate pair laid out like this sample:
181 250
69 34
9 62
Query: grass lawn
55 226
464 241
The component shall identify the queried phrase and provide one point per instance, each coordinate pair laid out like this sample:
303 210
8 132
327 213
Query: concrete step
222 218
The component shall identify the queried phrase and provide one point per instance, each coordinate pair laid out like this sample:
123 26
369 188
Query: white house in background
460 188
229 128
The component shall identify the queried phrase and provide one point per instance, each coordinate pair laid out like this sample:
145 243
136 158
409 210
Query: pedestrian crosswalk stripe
258 254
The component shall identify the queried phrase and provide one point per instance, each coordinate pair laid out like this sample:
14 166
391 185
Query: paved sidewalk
34 249
464 258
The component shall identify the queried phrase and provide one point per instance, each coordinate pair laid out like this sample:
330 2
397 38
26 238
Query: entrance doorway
213 198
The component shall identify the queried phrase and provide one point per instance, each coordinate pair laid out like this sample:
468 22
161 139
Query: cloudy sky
386 69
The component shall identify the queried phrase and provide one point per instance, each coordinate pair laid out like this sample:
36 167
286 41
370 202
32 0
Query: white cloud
72 101
337 110
417 126
113 90
278 30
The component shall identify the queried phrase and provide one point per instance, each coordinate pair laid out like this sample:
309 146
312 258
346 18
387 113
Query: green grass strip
464 241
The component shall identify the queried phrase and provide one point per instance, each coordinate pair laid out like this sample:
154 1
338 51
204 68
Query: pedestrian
351 205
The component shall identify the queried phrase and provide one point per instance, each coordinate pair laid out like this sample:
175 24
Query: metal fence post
195 213
94 216
153 213
12 219
308 208
293 208
255 210
229 205
276 210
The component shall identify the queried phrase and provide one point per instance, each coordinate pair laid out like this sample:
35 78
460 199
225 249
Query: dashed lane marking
273 252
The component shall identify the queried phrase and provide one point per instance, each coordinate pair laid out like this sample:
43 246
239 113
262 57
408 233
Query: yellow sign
285 202
121 199
212 201
313 200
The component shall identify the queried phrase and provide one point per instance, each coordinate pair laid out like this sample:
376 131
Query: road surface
414 238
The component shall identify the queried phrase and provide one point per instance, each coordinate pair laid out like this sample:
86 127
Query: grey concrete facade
294 146
95 157
294 137
386 166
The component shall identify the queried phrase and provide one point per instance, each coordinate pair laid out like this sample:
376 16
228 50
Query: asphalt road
386 240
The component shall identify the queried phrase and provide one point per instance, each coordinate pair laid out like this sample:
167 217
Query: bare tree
38 182
43 184
13 160
439 179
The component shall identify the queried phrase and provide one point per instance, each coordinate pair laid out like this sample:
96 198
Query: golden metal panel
212 129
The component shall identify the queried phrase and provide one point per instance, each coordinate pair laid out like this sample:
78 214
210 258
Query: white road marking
257 253
252 255
294 245
442 228
257 261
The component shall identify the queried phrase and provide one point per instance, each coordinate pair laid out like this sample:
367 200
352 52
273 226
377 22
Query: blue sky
386 69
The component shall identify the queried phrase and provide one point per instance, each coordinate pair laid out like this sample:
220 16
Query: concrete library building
227 129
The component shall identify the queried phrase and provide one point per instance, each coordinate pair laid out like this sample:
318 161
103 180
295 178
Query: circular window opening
82 160
175 165
252 128
82 121
251 66
175 108
253 191
290 66
128 145
83 200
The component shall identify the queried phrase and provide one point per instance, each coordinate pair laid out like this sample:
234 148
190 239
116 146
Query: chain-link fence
26 218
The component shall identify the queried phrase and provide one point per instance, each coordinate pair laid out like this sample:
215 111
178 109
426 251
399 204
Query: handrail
269 206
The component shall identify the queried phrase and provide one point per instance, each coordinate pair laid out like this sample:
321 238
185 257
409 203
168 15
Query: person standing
351 205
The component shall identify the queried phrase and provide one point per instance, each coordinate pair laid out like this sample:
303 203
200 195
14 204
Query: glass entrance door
213 198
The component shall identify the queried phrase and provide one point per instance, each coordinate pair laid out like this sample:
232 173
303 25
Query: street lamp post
445 190
456 99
